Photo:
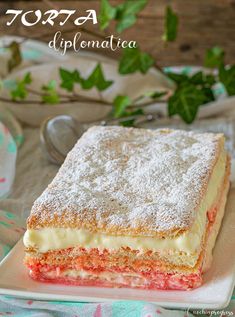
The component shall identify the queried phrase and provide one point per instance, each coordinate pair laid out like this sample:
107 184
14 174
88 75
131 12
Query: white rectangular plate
215 293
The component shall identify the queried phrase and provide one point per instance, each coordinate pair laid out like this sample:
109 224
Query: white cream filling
46 239
105 276
84 274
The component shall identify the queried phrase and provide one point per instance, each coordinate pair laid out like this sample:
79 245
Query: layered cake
131 208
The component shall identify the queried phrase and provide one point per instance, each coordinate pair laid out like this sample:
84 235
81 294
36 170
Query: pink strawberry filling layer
162 281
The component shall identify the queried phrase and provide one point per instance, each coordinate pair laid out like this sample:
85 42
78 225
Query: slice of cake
131 208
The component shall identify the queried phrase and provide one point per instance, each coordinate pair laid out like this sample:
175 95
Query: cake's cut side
146 257
125 267
122 268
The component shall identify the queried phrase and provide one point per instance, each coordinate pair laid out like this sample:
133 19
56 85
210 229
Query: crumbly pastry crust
130 181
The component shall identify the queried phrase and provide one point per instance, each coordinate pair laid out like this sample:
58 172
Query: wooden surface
203 23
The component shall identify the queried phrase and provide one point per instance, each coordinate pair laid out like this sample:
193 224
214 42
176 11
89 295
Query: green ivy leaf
171 25
202 79
227 77
214 57
131 122
152 94
197 79
136 112
134 60
96 79
157 94
126 13
120 104
199 85
50 95
130 7
52 99
16 57
50 86
107 13
208 93
185 102
210 80
69 78
125 23
126 121
20 91
205 83
27 79
177 78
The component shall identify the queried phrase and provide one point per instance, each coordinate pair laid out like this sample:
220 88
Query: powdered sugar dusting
130 178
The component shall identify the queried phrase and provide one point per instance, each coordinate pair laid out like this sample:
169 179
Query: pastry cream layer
47 239
214 229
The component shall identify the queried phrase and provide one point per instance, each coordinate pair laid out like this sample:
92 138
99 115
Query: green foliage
192 92
185 102
16 57
96 79
227 77
177 78
69 79
20 92
120 104
126 121
156 94
50 95
124 13
107 13
202 79
171 25
198 79
134 60
214 57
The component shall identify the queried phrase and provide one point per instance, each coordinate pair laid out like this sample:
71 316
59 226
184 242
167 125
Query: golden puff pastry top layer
127 181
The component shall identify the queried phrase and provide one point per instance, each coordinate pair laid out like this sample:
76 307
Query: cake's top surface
130 181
